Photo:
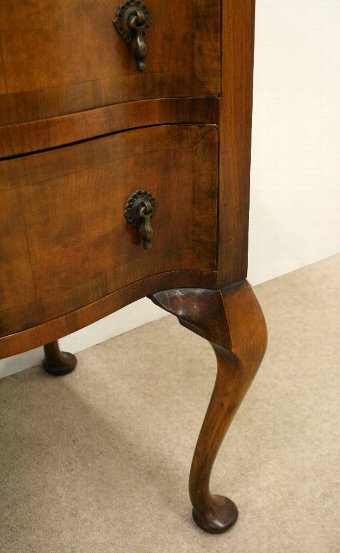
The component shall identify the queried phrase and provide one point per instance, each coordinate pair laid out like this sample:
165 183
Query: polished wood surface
57 328
67 242
235 134
232 321
64 57
80 131
58 131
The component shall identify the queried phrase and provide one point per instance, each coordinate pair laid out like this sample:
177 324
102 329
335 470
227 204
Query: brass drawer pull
139 210
133 23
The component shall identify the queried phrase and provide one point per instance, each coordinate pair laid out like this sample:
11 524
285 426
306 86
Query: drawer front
64 240
64 57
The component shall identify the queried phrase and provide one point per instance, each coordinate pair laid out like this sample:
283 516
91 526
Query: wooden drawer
70 243
64 57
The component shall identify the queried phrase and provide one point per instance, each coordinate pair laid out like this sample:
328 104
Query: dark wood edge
35 136
238 20
71 322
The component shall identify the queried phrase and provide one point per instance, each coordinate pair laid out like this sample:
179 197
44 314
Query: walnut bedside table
125 145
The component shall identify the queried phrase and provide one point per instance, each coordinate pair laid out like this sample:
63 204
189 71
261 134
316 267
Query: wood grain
66 57
44 134
75 320
235 137
31 202
80 131
62 212
232 320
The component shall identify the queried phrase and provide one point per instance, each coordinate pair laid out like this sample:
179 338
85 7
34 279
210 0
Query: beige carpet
98 461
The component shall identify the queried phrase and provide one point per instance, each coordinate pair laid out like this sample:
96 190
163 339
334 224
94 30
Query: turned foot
56 362
232 320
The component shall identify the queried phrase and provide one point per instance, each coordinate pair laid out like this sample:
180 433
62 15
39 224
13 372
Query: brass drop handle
133 23
139 210
145 212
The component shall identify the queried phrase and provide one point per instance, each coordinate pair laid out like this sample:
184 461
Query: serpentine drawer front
62 57
70 205
125 134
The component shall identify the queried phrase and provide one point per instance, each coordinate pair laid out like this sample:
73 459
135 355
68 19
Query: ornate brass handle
133 23
139 210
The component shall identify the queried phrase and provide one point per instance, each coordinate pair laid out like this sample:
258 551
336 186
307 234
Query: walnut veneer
81 130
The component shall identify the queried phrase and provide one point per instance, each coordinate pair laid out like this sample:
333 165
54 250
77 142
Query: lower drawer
64 240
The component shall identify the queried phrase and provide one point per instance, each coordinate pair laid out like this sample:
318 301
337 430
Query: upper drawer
63 57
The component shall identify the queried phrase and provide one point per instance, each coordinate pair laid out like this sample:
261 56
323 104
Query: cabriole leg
232 320
56 362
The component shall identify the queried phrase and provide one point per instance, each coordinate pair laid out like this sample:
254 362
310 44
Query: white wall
295 205
295 194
